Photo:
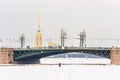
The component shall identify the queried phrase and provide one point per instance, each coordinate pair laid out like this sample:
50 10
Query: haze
100 19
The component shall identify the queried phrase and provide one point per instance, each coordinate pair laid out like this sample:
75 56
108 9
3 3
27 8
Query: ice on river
54 72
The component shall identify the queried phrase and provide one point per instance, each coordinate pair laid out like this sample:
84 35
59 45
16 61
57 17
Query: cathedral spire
38 41
38 20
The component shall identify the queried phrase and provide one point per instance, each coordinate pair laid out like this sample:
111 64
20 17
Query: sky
99 18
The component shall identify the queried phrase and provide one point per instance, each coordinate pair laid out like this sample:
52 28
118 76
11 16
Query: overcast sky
100 18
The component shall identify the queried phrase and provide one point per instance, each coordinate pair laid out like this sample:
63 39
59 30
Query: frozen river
74 58
65 72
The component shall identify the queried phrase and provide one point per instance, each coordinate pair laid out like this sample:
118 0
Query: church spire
38 41
38 20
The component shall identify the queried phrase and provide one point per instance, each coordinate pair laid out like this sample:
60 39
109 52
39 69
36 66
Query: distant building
52 44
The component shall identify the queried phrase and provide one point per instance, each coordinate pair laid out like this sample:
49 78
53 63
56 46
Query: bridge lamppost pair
82 38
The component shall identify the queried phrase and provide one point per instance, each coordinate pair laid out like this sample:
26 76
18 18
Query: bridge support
6 55
115 56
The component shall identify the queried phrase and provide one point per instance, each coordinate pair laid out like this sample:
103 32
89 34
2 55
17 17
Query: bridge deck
21 54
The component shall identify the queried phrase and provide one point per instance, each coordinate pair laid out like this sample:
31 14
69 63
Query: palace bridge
39 52
28 54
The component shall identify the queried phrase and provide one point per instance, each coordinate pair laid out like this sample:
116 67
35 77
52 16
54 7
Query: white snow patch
75 61
65 72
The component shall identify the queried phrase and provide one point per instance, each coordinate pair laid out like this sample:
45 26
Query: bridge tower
22 40
63 36
38 41
82 37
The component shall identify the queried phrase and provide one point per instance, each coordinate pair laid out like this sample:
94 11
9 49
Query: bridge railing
46 48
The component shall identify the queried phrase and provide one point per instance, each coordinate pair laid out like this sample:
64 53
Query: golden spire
38 16
38 19
38 41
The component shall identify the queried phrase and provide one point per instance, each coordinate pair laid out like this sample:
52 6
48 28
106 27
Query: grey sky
100 18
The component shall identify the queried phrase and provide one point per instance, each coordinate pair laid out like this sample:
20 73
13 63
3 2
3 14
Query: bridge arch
74 58
41 53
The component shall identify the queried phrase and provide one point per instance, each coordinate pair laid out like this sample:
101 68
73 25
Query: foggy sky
100 19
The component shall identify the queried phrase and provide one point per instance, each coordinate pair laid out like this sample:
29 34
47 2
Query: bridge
10 55
28 54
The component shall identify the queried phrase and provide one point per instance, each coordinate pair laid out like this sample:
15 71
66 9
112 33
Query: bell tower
38 40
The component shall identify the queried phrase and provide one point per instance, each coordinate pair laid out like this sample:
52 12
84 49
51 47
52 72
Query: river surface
46 71
54 72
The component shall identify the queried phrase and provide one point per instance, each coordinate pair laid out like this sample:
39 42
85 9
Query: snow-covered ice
74 58
75 61
65 72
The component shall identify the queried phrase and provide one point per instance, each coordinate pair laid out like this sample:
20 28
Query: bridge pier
115 56
6 55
